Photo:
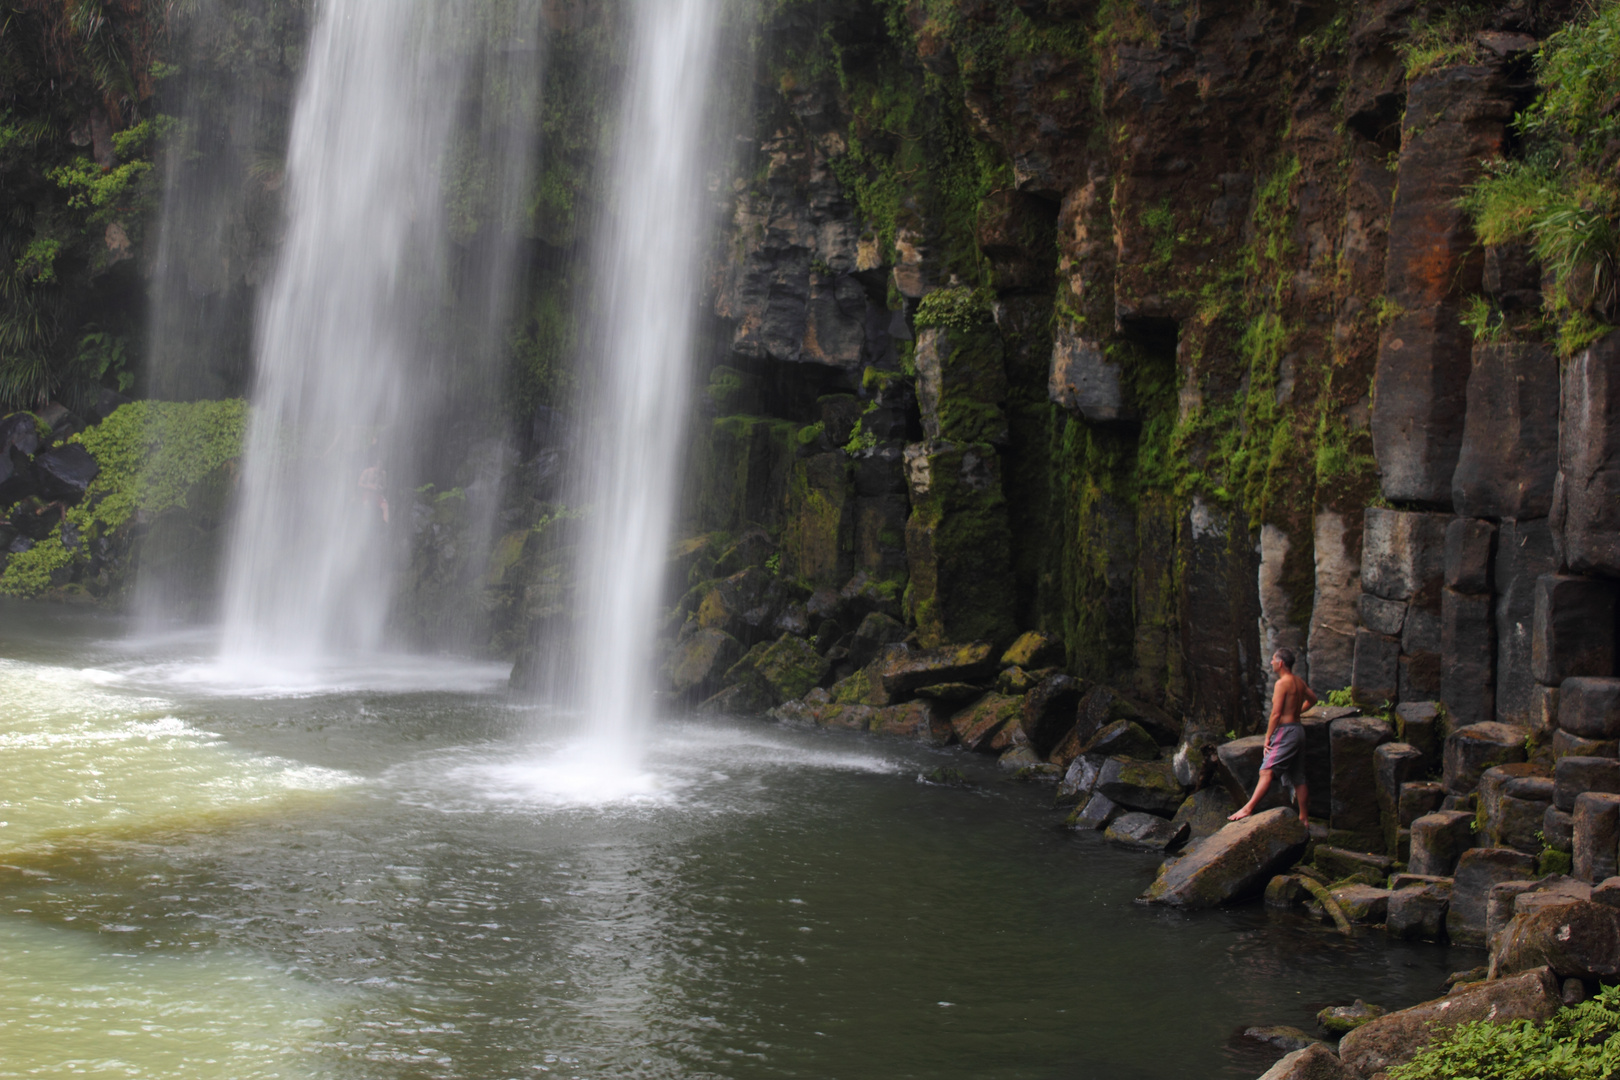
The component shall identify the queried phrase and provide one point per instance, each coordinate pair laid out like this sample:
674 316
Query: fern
1579 1043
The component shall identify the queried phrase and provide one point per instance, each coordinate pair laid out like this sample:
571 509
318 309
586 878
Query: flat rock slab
1233 864
1395 1039
901 672
1473 749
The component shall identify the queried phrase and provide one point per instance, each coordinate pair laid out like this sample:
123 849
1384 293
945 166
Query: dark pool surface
435 890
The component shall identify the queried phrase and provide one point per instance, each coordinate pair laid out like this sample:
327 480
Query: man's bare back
1290 698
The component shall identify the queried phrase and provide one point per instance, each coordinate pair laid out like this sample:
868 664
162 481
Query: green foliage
1553 861
810 433
1443 38
102 358
1482 318
1579 1043
957 308
38 262
1342 697
151 455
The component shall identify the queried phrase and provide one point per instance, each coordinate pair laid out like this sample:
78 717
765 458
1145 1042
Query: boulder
1513 800
1094 814
1102 705
1144 832
1418 798
1233 864
1478 871
1375 672
1343 1019
698 662
790 667
1017 758
875 631
1015 680
1587 501
1509 455
1417 912
1033 650
976 725
1240 759
913 720
1573 632
1596 830
1123 738
1575 938
1438 841
1590 707
1362 903
64 472
740 605
1204 813
1150 786
743 699
1080 779
20 430
1395 1039
1473 749
1607 891
1468 656
1470 553
1355 819
16 477
898 671
1314 1062
1574 775
1049 711
1499 908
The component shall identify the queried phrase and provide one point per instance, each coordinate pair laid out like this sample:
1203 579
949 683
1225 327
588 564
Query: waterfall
649 246
362 347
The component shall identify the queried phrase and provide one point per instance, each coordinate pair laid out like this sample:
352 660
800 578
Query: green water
371 877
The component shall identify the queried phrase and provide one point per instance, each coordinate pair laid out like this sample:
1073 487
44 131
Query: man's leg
1303 792
1260 789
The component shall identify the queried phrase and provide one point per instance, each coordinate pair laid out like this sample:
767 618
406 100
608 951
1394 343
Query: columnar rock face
1478 871
1587 504
1454 119
1524 552
958 544
1574 630
1509 455
1355 821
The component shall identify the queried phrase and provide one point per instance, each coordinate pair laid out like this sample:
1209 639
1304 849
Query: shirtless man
1285 738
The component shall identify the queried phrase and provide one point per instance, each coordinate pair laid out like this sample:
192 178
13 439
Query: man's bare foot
1240 815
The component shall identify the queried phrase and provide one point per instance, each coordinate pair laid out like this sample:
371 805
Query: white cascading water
351 361
649 251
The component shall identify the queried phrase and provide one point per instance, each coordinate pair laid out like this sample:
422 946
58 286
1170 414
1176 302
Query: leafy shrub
1579 1043
955 308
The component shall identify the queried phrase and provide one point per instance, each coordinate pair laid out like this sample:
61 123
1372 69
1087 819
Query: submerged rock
1282 1037
1233 864
1342 1019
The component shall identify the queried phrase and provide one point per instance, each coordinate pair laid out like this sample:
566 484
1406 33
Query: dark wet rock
753 548
950 695
1596 833
1417 911
1017 757
1421 724
913 720
1122 738
1233 864
107 402
1339 864
1590 707
1478 871
1149 786
1575 938
1513 800
1558 829
1438 841
793 619
1574 775
1094 814
1509 454
1396 1038
875 631
1144 832
1314 1062
1607 891
1574 628
977 724
1286 891
899 671
1343 1019
1355 819
739 605
1015 680
1204 812
700 660
1362 903
1033 650
65 472
961 580
1080 779
743 699
20 430
1103 705
1470 554
16 477
35 520
62 421
791 667
1477 747
1240 759
1282 1037
1050 710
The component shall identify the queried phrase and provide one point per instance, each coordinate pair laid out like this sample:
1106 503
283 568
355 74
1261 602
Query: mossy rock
1033 650
977 725
791 667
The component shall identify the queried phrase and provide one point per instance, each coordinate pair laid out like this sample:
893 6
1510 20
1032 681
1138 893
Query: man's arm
1278 697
